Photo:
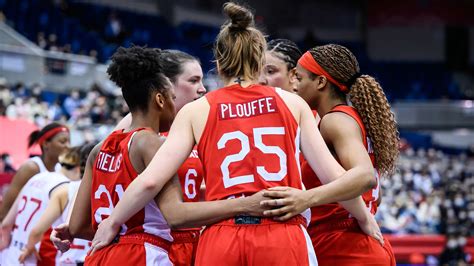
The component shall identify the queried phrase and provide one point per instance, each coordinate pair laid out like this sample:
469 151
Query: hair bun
240 17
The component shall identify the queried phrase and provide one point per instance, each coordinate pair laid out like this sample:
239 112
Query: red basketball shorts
47 251
251 240
183 249
344 243
134 249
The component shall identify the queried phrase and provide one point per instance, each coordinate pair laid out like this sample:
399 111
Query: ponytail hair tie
353 79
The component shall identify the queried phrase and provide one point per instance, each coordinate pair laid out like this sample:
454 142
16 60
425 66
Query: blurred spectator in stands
5 94
36 90
17 110
52 43
453 253
67 48
432 193
19 90
3 108
100 110
72 102
41 40
6 164
54 111
428 215
114 31
93 53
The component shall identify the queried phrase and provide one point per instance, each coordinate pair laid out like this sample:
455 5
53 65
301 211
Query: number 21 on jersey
107 211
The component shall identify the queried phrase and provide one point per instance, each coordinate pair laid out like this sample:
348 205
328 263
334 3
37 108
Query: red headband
51 133
307 61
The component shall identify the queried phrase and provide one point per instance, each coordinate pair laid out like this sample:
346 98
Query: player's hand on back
106 233
61 237
253 206
371 228
285 202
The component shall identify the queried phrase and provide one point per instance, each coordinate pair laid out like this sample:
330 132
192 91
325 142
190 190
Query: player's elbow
368 178
75 229
176 224
175 218
150 185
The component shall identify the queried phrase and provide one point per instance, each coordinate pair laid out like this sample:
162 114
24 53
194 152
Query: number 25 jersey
250 142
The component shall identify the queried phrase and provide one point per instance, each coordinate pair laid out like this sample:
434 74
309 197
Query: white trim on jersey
130 141
42 168
298 152
156 256
312 259
155 223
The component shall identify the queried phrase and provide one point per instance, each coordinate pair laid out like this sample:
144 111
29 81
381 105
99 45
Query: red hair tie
307 61
51 133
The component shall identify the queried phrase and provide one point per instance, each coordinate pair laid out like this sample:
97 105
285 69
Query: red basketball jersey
112 173
334 211
250 142
190 175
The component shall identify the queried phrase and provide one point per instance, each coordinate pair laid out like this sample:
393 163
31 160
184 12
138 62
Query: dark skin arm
26 171
181 214
343 135
144 146
177 213
80 221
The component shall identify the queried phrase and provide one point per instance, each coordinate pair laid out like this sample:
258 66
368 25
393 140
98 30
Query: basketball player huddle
281 166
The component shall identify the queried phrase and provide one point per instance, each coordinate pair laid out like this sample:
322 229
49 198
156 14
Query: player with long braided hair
248 138
362 135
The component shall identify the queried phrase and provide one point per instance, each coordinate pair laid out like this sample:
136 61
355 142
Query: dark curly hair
286 50
138 72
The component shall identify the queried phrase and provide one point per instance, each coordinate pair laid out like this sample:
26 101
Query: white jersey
42 167
33 199
79 247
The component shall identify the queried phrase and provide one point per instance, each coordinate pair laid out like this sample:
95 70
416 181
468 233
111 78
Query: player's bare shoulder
146 139
194 113
295 103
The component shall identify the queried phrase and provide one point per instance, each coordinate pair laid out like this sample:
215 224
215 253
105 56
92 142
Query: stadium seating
83 27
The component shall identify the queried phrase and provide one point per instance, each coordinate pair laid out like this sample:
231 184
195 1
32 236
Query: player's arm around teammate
190 122
330 171
170 160
180 214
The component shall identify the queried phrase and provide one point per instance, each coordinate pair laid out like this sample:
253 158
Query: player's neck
326 104
141 119
239 80
49 162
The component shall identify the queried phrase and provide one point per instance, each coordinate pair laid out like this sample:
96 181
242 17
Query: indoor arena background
53 56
